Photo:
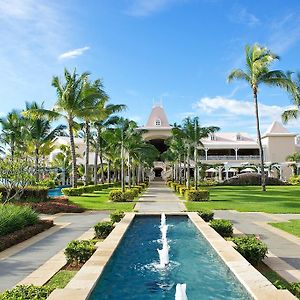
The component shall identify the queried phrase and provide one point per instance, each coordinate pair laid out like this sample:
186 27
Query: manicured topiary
135 191
251 179
206 214
294 180
26 292
222 227
197 195
129 195
253 249
78 252
103 229
182 190
117 216
72 191
116 196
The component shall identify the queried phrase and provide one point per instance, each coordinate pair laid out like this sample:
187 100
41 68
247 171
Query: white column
206 150
236 153
220 173
280 172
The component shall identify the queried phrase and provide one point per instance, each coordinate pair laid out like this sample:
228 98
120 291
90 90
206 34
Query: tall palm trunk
96 158
184 168
261 151
129 172
87 152
108 170
188 168
73 154
36 163
196 167
122 168
101 163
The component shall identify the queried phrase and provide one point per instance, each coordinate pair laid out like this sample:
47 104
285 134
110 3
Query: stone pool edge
253 281
81 286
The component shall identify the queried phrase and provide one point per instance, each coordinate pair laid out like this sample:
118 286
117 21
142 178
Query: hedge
206 214
117 216
129 195
222 227
78 252
24 292
251 248
14 217
294 180
31 192
251 179
197 195
116 196
103 229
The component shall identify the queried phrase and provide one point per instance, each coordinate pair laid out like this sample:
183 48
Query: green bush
26 292
117 216
135 191
208 182
98 187
116 196
295 289
39 193
140 188
78 252
72 191
103 229
182 190
14 217
251 248
222 227
143 185
251 179
206 214
50 183
294 180
88 189
197 195
128 195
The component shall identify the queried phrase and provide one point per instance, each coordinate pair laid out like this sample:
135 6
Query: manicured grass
99 201
292 226
60 279
277 199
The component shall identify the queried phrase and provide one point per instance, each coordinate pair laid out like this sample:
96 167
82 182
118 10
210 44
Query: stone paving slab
282 246
18 266
159 198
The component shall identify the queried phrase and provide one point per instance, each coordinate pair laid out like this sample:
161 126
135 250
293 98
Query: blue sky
177 52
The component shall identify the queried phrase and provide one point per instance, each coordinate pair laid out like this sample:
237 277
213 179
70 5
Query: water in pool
134 273
56 192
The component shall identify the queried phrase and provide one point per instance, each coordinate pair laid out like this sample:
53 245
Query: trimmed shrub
72 191
197 195
103 229
206 214
116 196
222 227
54 207
294 180
208 182
135 191
13 217
78 252
295 289
128 195
251 248
138 187
98 187
143 185
50 183
30 192
251 179
182 190
24 292
88 189
117 216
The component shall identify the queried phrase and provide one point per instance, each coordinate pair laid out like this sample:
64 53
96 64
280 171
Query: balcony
230 157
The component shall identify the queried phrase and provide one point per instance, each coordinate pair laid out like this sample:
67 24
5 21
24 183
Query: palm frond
290 114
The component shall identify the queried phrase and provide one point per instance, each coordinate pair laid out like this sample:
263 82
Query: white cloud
73 53
237 107
243 16
142 8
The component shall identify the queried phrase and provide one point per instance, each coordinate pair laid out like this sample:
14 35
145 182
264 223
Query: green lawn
99 201
60 279
277 199
292 226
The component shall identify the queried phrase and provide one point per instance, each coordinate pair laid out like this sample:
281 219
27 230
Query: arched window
158 122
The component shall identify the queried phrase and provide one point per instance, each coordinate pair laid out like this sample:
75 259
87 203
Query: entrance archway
157 172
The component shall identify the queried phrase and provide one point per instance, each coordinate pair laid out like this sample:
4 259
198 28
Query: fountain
181 292
164 252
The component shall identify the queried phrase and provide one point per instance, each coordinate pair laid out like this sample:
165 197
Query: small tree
15 176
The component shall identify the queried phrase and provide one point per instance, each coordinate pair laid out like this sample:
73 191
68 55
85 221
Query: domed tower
158 130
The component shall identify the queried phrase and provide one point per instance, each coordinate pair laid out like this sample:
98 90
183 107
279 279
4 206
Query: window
158 122
238 137
212 137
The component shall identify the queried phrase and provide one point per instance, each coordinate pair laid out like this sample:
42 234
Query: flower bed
23 234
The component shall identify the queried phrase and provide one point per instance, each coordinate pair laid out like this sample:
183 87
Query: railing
230 157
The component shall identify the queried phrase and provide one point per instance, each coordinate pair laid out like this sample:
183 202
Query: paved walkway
18 266
284 246
159 198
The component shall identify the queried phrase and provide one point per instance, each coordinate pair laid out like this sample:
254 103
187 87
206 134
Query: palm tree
293 113
258 61
72 97
105 120
294 157
40 133
13 132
